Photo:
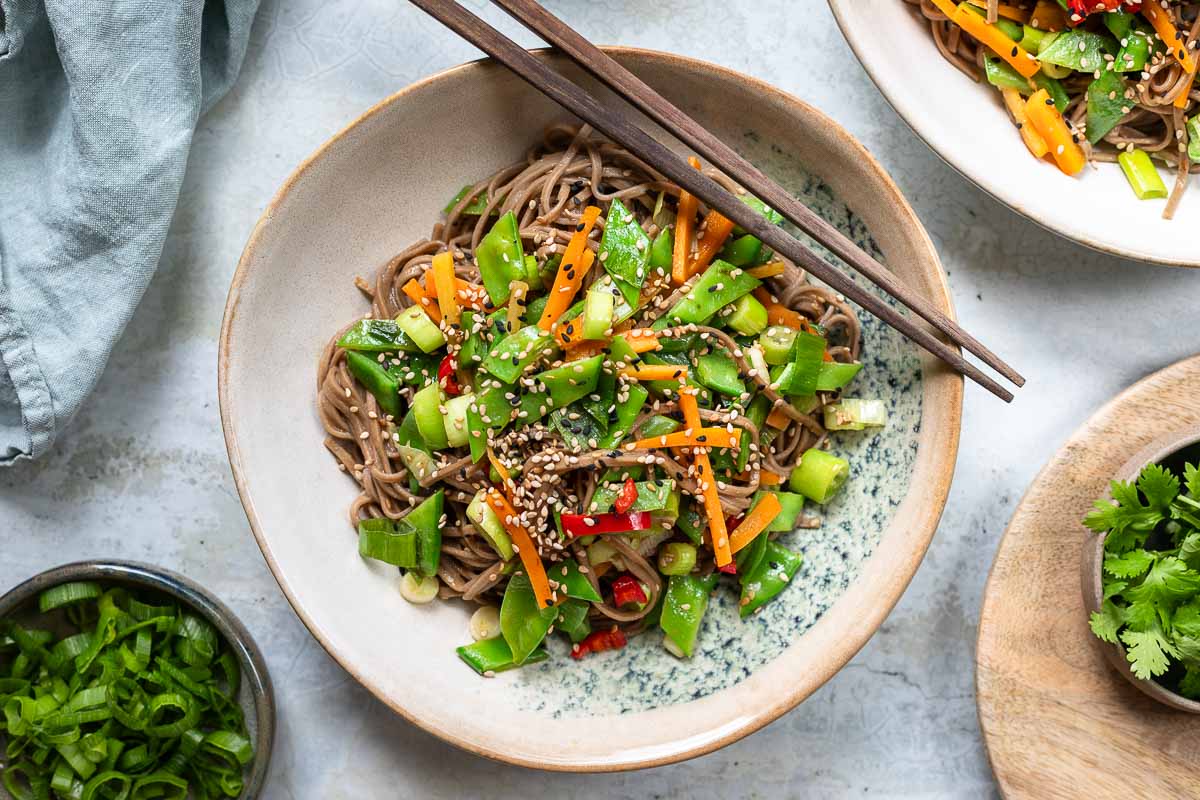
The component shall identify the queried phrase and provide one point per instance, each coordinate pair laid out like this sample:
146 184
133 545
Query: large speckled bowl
378 186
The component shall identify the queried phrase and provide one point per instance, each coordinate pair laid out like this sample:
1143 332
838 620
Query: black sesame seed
580 227
1014 50
1049 101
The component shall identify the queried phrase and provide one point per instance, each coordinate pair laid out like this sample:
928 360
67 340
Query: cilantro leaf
1189 549
1128 565
1107 621
1191 479
1103 516
1168 583
1148 652
1113 588
1140 616
1186 620
1187 649
1190 685
1159 486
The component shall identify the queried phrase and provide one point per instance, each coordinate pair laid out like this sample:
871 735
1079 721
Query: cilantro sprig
1152 573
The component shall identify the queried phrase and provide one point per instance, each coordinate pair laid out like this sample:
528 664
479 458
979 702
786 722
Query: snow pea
426 520
651 496
790 506
1136 49
1079 50
602 398
715 289
626 414
577 433
658 425
766 212
491 410
719 372
474 208
377 336
523 625
509 359
573 620
683 609
774 572
757 412
1104 112
377 380
835 375
489 656
662 250
501 258
573 582
571 381
744 251
625 251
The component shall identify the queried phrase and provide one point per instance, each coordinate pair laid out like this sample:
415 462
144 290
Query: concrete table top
141 473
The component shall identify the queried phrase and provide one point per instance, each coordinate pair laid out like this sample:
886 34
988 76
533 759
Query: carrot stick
1018 57
1046 120
1016 106
717 228
656 372
767 270
447 292
684 221
1160 19
708 485
779 314
769 479
571 270
755 522
469 294
642 340
778 419
699 437
417 294
524 546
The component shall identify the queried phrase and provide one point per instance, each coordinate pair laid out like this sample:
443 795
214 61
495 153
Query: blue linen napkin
98 103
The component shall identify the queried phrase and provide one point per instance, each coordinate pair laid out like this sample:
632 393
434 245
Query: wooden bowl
380 185
1092 563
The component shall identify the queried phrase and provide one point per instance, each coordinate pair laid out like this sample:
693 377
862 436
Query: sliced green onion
1144 179
67 594
851 414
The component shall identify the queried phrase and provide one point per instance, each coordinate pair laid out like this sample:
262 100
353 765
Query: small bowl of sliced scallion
123 680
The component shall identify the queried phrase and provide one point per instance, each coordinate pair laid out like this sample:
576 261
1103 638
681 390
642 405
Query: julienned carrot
1006 11
573 267
779 314
684 221
1017 57
755 522
1046 120
769 479
767 270
1160 19
778 419
498 465
417 294
699 437
656 372
443 281
717 228
1016 106
524 546
641 340
708 485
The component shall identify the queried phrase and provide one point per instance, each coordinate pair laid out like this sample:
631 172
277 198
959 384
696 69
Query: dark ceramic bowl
257 697
1158 451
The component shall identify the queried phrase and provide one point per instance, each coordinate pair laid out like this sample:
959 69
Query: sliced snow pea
835 375
662 251
715 289
692 522
683 610
757 412
601 399
489 656
719 372
571 381
766 212
573 619
377 380
625 251
626 414
426 520
488 523
577 433
377 336
501 258
426 407
509 358
772 574
1105 105
1079 50
474 208
744 251
573 582
522 623
651 496
790 504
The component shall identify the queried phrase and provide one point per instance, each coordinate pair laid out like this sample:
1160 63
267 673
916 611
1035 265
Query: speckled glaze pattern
643 675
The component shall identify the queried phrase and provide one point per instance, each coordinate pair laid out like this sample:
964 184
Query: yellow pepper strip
1018 57
762 515
1048 16
417 294
1160 20
656 372
701 437
447 291
570 271
524 546
470 295
1016 106
1006 11
1046 120
767 270
708 485
684 222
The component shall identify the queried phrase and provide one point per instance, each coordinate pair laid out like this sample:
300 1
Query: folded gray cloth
98 102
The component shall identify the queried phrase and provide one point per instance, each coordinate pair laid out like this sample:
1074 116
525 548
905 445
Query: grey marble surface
142 473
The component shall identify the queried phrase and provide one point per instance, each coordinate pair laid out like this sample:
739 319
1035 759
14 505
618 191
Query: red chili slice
626 591
1085 7
598 642
626 497
447 378
594 524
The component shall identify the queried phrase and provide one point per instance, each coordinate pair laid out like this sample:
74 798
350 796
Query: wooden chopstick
536 18
622 130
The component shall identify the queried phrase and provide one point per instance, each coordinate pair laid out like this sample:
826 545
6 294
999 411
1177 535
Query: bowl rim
1092 561
254 667
857 635
993 189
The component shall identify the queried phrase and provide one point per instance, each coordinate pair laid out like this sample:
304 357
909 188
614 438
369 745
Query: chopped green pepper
772 574
501 258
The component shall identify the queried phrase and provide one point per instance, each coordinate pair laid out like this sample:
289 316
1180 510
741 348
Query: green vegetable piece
1079 50
1135 50
750 557
790 505
1143 178
625 251
677 558
533 274
489 656
658 425
835 374
488 523
573 619
761 585
662 252
1119 23
852 414
490 411
749 316
714 290
719 372
474 347
744 251
426 409
622 353
757 413
998 73
1193 133
582 433
597 313
455 420
683 609
418 327
801 375
522 623
501 258
573 582
1105 104
509 359
426 520
376 380
692 522
1031 38
626 414
571 381
819 475
766 212
377 336
776 343
533 311
651 496
380 539
474 208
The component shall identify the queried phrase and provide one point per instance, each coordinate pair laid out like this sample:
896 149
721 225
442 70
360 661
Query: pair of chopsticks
620 128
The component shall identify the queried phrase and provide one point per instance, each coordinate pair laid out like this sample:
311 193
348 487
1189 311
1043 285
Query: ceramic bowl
965 123
1092 562
378 186
257 696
